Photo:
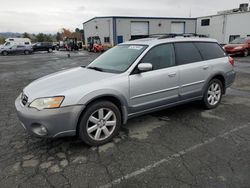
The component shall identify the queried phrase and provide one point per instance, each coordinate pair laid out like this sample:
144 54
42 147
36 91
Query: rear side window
187 53
160 57
210 50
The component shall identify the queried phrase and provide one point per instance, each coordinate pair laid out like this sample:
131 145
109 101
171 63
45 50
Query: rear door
157 87
193 70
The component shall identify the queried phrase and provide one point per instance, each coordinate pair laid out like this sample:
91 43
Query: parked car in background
43 46
131 79
17 41
239 46
16 49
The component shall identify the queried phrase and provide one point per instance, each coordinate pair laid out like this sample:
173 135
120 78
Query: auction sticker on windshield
135 47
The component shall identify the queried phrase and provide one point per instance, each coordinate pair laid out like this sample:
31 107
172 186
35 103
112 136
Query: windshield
118 59
238 41
6 44
97 41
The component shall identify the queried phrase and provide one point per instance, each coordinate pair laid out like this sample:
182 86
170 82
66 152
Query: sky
49 16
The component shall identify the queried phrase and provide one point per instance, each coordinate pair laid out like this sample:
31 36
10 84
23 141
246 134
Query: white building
226 25
115 30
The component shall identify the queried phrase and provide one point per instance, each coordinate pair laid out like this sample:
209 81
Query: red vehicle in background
94 44
239 46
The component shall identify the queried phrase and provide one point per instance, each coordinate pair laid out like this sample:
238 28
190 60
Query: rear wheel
212 96
26 52
245 53
100 123
50 50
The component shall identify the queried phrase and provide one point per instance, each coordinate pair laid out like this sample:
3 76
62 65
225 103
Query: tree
77 30
26 35
2 40
59 36
66 32
48 38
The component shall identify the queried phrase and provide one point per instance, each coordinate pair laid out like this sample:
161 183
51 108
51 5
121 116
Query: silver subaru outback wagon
131 79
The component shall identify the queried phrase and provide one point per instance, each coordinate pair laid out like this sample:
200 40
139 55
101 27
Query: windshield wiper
96 68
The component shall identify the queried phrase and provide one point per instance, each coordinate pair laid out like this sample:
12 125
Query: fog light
40 130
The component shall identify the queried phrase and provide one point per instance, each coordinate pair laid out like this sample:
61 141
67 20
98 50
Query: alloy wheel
214 93
101 124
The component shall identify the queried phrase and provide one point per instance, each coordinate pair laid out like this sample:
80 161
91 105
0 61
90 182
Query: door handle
172 74
205 67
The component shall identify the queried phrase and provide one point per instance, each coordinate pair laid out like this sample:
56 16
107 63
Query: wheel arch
118 100
220 76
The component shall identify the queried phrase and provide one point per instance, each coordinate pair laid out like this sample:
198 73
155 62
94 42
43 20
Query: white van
16 41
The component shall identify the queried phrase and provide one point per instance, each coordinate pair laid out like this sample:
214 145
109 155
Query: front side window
117 59
210 50
186 52
160 57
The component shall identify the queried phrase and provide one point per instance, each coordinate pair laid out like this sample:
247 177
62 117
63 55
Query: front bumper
58 122
232 52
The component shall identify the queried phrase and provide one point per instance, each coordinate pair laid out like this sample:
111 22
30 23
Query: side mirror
144 67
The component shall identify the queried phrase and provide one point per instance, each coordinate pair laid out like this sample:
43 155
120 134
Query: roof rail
173 35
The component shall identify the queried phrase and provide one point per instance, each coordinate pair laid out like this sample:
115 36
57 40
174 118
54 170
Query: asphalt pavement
181 147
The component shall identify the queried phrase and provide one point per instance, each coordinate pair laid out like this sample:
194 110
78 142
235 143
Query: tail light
231 60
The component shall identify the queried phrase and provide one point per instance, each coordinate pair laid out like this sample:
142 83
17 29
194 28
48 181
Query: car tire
26 52
50 50
213 94
245 53
5 53
100 123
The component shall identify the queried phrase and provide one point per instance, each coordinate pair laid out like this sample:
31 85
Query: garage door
139 28
178 27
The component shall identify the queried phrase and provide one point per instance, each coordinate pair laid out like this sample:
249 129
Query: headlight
47 103
238 48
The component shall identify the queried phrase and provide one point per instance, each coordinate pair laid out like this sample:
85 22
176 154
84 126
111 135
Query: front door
158 87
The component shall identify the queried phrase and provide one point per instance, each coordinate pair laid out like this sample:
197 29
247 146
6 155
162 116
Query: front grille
24 99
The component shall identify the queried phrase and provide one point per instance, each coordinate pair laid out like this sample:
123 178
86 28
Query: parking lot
184 146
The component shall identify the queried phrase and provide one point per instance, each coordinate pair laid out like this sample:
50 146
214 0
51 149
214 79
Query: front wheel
213 94
50 50
100 123
4 53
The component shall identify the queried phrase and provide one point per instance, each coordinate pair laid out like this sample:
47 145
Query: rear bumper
230 78
58 122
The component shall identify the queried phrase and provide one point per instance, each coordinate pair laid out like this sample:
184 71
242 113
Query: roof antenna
190 13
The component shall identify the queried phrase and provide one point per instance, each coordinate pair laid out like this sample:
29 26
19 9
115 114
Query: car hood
233 45
60 82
